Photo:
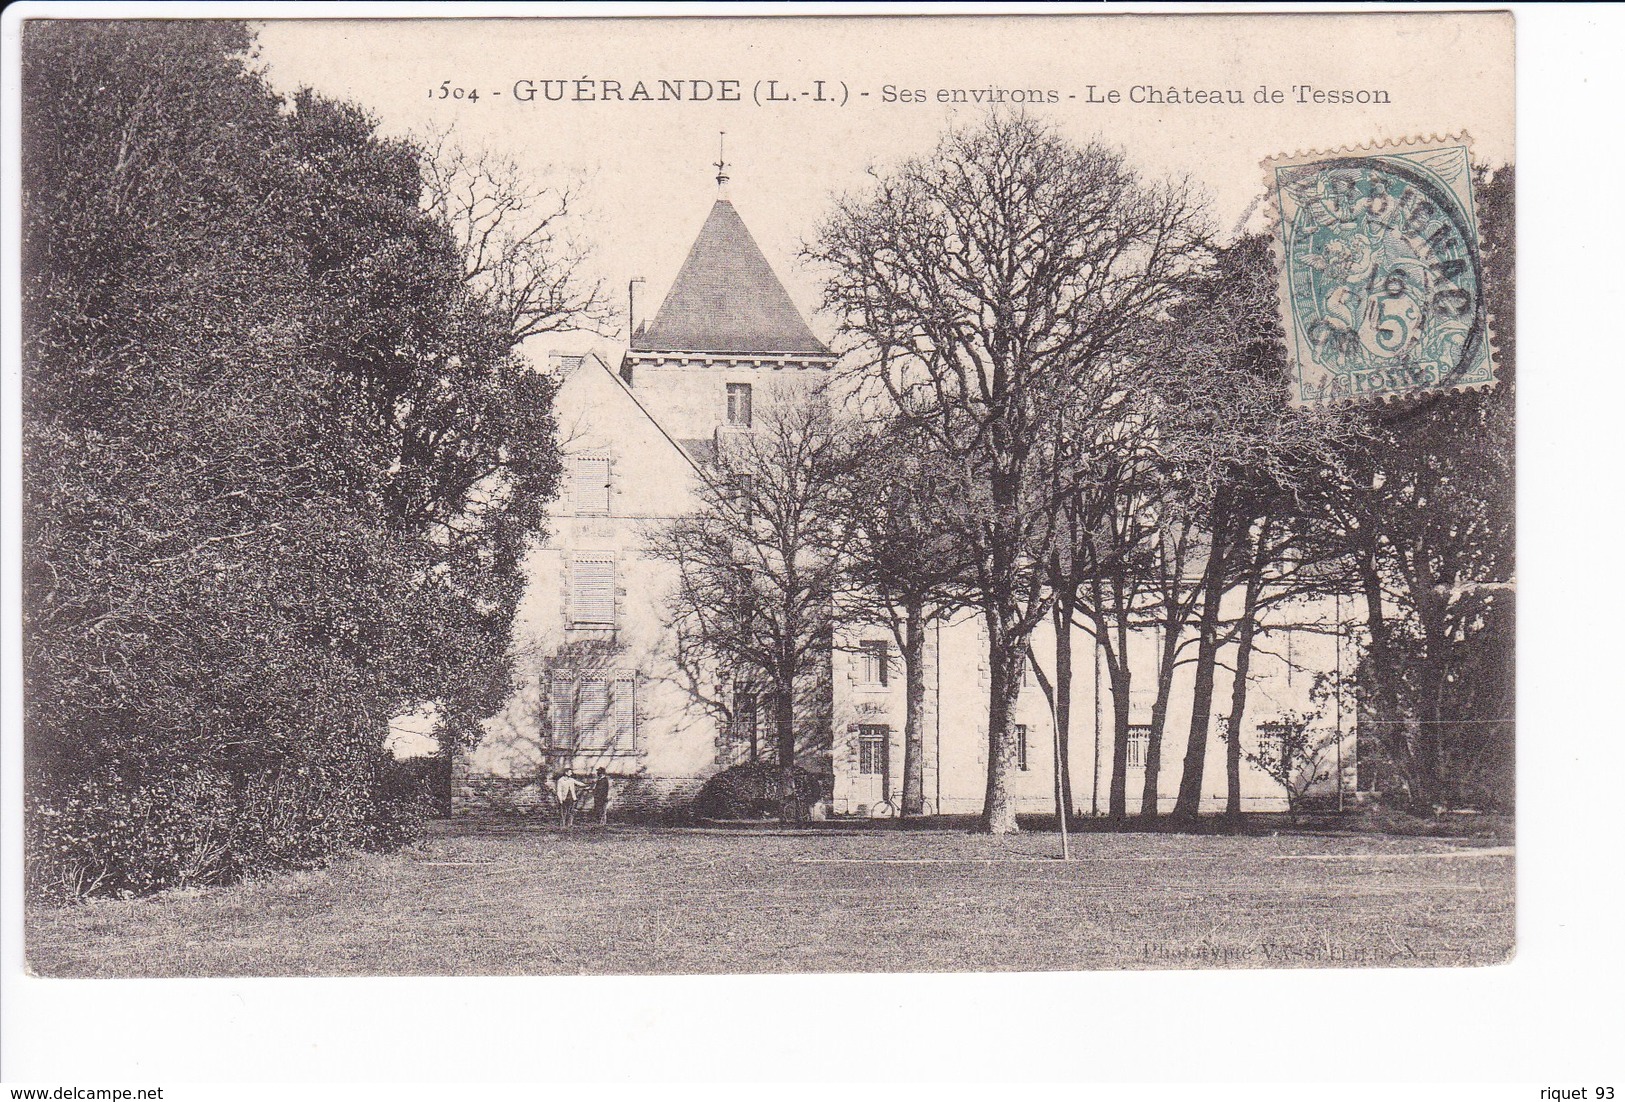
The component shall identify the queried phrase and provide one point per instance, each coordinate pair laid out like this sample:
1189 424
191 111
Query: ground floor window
1139 738
1277 737
593 712
872 739
1021 747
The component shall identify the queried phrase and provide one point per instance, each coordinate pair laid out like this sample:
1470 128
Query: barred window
1139 738
872 739
1279 732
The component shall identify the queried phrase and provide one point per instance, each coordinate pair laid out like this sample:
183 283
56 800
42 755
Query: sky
649 165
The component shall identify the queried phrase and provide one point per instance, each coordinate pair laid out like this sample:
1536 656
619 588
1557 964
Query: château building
600 677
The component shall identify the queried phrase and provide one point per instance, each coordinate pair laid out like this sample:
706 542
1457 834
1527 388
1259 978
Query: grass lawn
645 900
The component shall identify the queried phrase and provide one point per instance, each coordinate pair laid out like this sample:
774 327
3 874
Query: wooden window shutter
592 714
626 712
589 485
561 711
592 593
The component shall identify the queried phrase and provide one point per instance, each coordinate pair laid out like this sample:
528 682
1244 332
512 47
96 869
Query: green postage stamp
1380 275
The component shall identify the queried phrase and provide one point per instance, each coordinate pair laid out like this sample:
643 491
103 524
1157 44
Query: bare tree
516 238
758 565
1104 552
904 567
984 288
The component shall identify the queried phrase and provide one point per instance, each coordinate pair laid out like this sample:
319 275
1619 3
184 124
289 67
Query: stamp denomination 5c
1380 279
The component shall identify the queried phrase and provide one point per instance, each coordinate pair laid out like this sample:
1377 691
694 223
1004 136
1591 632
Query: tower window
876 669
739 405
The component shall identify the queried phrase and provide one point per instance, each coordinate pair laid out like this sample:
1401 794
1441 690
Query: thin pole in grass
1061 810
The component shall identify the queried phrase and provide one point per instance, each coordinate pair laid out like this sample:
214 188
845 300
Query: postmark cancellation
1380 279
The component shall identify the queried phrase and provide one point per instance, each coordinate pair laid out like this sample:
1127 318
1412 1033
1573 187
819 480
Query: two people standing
568 787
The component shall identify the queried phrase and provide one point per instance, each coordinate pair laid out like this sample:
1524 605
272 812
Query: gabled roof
726 299
568 366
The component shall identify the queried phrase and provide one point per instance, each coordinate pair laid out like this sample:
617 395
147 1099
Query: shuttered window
589 485
594 713
592 593
593 720
624 710
561 712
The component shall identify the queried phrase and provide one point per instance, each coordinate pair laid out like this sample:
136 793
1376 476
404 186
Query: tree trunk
754 725
1159 717
1189 803
1118 673
785 717
1238 703
913 724
1381 697
1432 684
1004 682
1063 706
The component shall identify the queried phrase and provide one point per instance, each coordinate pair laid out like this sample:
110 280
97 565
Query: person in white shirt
568 788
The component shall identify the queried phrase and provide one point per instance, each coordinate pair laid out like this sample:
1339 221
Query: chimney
632 326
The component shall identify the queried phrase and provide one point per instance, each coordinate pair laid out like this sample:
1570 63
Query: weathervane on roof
722 163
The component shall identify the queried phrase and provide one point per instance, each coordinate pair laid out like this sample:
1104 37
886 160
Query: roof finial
722 164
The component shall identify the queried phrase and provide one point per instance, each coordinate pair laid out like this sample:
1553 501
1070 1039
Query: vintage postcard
664 495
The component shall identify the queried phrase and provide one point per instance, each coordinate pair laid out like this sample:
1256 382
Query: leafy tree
1244 463
1427 511
467 425
984 288
279 463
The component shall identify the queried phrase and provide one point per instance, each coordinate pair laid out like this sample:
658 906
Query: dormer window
739 405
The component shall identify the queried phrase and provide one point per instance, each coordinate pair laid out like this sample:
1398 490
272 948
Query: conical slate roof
726 299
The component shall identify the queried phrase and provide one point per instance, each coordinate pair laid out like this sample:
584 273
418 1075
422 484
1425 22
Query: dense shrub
425 780
119 833
124 834
755 792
